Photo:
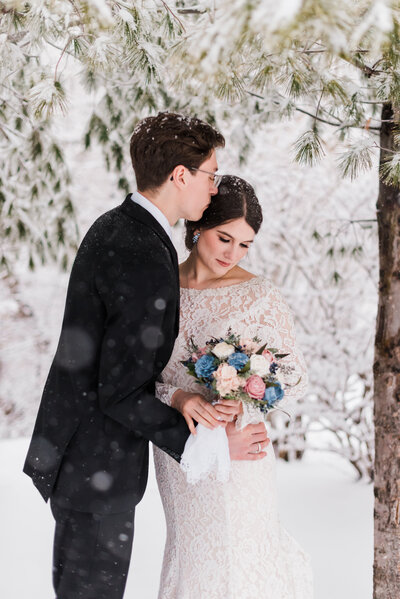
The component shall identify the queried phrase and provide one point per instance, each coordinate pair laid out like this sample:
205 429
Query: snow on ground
321 506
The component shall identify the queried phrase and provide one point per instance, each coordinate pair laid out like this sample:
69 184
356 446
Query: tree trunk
387 385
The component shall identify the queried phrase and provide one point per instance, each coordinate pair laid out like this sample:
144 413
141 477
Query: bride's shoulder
262 284
243 276
265 290
239 275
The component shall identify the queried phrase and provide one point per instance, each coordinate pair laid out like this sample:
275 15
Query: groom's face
200 188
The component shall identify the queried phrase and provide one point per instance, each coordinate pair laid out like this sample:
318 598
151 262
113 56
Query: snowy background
322 504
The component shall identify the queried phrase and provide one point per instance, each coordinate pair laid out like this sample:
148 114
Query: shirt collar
154 211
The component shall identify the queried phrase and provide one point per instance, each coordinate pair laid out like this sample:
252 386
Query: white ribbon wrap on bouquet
206 452
250 415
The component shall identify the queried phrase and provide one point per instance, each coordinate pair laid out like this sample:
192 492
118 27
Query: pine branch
315 117
390 171
356 160
192 11
60 58
368 71
174 15
78 13
309 148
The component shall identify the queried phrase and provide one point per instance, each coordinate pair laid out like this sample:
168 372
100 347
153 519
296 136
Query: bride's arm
164 392
279 316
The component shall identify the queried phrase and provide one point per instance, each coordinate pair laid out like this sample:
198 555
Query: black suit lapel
136 212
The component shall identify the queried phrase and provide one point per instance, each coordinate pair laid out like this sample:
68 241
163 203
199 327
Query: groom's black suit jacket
89 449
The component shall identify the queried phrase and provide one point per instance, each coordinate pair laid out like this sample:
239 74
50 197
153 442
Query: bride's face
222 247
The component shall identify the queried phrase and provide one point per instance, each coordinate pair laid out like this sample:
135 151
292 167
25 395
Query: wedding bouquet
232 368
241 369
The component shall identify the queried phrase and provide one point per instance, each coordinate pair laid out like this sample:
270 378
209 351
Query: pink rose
227 379
269 356
200 352
255 387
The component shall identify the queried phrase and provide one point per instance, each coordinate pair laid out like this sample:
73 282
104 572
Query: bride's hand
229 409
193 406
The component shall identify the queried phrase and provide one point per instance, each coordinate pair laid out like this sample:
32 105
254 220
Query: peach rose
255 387
269 356
249 345
227 379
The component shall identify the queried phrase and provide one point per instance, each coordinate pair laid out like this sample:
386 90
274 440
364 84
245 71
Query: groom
89 450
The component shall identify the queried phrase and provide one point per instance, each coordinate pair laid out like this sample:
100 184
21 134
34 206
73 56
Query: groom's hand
249 443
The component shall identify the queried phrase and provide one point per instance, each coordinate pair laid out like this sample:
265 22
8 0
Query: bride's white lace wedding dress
225 540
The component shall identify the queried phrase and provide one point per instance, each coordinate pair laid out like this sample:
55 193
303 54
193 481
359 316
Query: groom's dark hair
160 143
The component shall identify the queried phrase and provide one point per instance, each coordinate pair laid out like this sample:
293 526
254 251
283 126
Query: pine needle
308 148
356 160
390 171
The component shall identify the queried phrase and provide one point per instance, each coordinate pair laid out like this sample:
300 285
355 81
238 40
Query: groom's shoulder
113 218
117 220
119 229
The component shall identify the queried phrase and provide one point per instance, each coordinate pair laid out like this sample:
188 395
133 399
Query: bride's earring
195 238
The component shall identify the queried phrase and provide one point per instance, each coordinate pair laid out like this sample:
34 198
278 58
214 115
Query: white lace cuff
164 392
205 453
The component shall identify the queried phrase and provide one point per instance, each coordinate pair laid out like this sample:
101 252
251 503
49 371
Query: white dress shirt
154 211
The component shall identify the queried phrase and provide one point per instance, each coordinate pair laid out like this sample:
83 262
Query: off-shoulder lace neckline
225 288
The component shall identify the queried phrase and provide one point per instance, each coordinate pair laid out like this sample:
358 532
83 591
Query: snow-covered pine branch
111 41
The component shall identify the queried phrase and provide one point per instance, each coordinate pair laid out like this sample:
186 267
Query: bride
225 540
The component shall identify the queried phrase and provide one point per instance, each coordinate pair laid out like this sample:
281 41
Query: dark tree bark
387 383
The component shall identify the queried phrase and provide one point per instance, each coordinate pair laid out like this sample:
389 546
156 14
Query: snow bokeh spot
101 481
160 303
152 337
76 349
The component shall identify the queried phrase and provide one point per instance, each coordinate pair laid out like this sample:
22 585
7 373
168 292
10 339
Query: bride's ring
258 448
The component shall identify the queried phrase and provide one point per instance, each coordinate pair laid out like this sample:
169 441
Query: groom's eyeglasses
216 178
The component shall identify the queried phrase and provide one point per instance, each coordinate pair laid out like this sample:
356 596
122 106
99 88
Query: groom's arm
136 345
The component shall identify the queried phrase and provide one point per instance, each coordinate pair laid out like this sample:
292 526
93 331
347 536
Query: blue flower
238 360
205 366
273 367
273 394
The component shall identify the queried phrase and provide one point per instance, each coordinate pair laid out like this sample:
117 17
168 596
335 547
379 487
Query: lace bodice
254 307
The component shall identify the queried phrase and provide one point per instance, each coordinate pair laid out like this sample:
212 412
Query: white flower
223 350
259 365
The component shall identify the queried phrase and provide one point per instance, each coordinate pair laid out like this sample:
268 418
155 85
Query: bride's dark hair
235 199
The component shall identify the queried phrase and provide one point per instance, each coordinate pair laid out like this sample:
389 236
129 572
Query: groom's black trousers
91 553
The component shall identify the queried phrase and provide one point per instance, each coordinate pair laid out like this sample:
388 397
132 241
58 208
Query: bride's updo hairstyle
235 199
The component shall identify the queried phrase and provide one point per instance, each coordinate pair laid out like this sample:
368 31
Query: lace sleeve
278 315
165 391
